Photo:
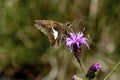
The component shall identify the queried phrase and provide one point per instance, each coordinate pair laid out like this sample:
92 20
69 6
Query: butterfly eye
68 24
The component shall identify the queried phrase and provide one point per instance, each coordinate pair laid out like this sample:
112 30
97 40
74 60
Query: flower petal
69 42
73 36
79 35
78 44
84 41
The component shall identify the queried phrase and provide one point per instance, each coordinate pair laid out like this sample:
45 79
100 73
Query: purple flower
76 39
92 70
95 67
74 43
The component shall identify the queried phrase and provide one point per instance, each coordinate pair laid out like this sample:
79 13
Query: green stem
83 68
112 70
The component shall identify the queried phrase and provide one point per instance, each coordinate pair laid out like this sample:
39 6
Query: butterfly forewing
40 26
45 27
55 31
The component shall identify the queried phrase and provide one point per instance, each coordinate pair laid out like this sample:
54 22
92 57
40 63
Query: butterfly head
68 27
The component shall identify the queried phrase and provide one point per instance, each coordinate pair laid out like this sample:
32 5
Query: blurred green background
25 52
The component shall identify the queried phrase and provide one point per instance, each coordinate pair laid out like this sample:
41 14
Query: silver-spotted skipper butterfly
55 31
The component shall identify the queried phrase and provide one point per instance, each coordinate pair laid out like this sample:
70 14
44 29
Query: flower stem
112 70
83 68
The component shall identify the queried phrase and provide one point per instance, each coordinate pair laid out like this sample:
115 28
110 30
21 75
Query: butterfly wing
45 27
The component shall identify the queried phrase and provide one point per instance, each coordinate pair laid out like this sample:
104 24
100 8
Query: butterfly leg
60 39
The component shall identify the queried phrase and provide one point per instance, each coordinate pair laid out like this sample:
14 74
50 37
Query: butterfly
56 31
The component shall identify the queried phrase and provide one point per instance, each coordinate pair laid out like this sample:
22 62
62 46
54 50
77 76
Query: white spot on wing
55 33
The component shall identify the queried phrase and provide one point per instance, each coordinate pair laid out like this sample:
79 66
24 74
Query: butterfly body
55 31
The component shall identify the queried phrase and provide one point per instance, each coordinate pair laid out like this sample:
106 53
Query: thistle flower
76 39
92 71
74 43
95 67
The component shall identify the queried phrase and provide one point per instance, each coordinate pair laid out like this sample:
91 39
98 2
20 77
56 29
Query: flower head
95 67
77 39
92 70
